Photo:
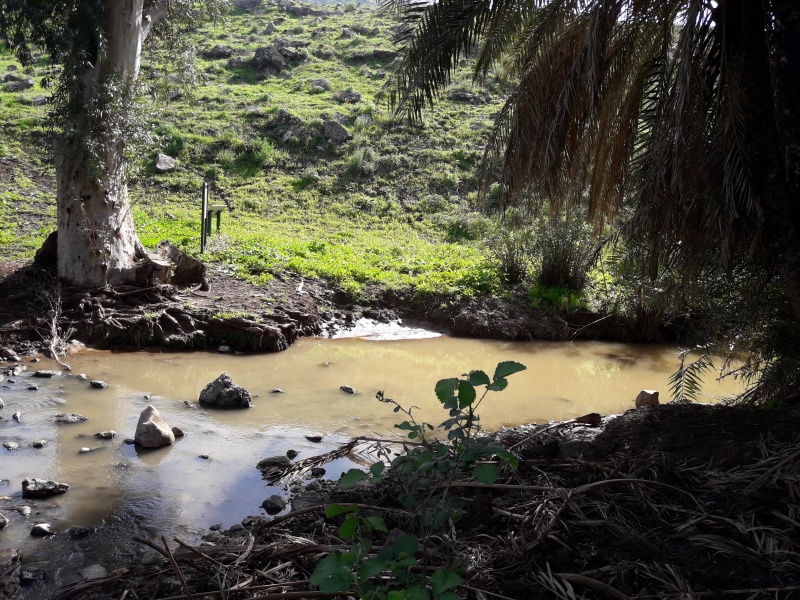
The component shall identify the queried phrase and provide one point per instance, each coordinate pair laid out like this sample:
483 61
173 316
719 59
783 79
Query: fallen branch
593 584
177 569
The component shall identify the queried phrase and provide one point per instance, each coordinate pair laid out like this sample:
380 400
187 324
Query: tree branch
152 15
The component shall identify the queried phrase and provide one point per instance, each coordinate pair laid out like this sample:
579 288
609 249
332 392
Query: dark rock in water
106 435
317 472
46 374
17 416
70 418
39 443
204 456
31 575
274 462
274 504
223 393
292 454
33 388
129 441
235 527
42 529
10 445
2 404
3 520
251 520
42 488
152 431
76 532
98 385
276 391
177 432
314 437
347 389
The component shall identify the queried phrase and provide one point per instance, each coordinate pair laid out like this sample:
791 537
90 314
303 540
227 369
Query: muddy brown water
125 491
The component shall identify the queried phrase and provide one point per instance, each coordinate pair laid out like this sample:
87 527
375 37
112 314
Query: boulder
39 443
274 504
106 435
379 54
70 418
274 462
152 431
98 385
42 488
647 398
271 28
165 163
347 97
3 521
335 132
10 446
19 86
9 354
314 437
186 270
223 393
323 84
45 374
42 530
218 51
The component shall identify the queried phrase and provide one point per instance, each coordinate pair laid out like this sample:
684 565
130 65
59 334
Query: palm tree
679 120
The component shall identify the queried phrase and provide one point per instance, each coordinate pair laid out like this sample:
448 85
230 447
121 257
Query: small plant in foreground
424 476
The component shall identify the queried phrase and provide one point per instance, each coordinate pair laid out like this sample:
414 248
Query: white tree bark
97 241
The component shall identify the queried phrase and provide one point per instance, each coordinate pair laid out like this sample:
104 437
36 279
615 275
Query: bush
566 250
511 246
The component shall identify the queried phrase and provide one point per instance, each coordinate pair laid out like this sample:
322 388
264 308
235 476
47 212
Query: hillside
282 112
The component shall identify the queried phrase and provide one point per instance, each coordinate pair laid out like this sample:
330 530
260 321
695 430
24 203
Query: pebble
274 503
224 349
204 456
10 445
129 441
17 416
147 396
276 391
30 576
106 435
35 359
347 389
235 527
58 401
46 374
97 384
317 472
2 404
177 432
292 454
70 418
86 450
33 388
42 529
24 510
83 377
314 437
4 520
39 443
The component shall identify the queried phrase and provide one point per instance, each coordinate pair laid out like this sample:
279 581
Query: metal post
204 219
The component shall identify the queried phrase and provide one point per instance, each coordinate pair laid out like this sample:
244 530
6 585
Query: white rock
152 431
165 163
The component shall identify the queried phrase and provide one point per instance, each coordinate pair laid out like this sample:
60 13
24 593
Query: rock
379 54
274 504
31 575
224 349
314 437
251 520
292 454
8 354
347 33
335 132
323 84
4 520
24 510
77 532
19 86
269 60
33 388
152 431
276 391
86 449
204 456
17 416
98 385
223 393
58 401
235 527
70 418
129 441
219 51
106 435
42 529
42 488
46 374
274 462
647 398
2 404
165 163
348 389
271 28
82 377
10 445
317 472
177 432
186 270
39 443
347 97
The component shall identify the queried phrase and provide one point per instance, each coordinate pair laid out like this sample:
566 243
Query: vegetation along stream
176 490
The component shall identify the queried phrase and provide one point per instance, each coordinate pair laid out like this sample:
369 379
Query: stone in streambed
39 443
42 530
106 435
42 488
46 374
70 418
347 389
647 398
152 431
3 520
98 385
274 504
223 393
10 446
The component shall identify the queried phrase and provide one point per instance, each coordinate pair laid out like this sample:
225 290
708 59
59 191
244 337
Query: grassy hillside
393 204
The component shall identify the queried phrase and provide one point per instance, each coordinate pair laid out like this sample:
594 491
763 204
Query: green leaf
352 477
413 593
446 389
377 468
506 368
347 530
486 473
466 393
498 385
377 523
406 544
332 574
447 596
442 580
478 378
370 568
334 510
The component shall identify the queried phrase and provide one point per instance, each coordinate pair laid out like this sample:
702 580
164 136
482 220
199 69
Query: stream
123 491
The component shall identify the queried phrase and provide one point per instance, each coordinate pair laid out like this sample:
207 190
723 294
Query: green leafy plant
423 475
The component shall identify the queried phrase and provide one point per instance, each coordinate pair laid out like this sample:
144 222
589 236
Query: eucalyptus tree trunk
97 242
